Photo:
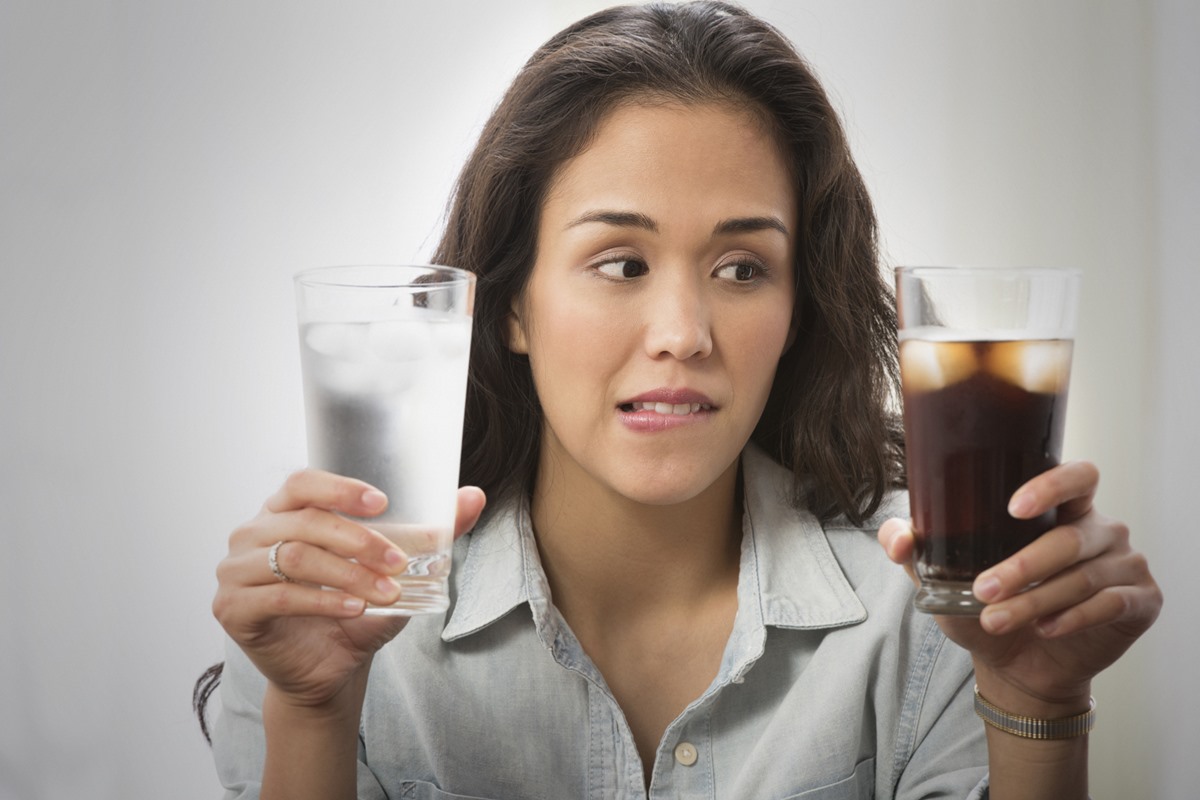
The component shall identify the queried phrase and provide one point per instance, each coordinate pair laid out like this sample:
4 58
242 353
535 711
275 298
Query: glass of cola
985 357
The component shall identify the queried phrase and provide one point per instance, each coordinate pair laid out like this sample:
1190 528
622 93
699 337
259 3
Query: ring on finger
273 561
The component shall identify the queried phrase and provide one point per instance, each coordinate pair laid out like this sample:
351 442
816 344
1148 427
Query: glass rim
326 276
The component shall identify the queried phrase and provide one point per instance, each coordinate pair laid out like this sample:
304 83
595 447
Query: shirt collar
500 571
787 565
799 581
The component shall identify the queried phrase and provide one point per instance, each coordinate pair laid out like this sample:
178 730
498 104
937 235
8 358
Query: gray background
166 167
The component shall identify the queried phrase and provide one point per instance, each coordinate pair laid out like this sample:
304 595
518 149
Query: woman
678 410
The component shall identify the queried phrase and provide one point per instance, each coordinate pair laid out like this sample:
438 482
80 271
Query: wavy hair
828 417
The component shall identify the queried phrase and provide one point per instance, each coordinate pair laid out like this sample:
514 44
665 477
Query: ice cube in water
400 340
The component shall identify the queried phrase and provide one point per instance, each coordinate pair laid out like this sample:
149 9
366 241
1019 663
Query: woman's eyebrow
634 219
622 219
750 225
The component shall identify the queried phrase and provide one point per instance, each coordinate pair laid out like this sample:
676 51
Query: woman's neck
612 560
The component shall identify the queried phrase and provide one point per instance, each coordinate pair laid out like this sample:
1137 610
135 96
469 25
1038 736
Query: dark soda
981 418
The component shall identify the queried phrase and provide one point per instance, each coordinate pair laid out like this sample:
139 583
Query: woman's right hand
310 642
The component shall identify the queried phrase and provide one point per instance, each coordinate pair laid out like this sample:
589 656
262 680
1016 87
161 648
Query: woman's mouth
677 409
665 409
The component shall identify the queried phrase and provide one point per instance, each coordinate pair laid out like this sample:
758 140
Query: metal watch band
1033 728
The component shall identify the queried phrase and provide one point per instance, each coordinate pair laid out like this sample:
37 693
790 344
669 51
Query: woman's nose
679 322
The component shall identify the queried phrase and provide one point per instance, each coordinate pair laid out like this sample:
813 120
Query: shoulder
884 587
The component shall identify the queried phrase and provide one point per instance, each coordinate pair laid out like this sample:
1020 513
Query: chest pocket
419 790
859 786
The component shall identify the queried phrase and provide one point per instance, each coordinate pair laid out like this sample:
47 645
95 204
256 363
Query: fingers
1135 605
1064 564
245 607
305 563
320 548
249 606
319 489
1089 593
343 537
323 490
1072 578
1069 487
1050 554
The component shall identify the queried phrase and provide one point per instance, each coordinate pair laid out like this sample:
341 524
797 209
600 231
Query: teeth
680 409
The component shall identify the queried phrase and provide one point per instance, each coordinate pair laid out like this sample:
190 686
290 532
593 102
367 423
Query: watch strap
1032 727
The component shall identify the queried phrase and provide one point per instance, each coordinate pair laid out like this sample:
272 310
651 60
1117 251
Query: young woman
678 411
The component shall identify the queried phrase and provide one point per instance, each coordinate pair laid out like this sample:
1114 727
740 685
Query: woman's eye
623 268
741 272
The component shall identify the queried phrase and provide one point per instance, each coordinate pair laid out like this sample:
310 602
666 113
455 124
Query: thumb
896 538
471 501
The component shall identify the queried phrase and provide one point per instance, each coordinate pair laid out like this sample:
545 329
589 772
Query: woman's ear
517 340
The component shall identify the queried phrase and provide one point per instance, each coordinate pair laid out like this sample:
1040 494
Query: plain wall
1171 725
165 168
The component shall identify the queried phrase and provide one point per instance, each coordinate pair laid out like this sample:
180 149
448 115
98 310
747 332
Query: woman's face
660 301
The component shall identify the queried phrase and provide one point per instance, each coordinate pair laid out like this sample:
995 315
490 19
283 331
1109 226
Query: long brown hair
827 418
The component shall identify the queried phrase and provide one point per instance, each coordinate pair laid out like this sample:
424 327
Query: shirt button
685 753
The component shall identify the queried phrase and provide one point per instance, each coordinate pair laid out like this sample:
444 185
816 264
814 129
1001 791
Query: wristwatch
1033 728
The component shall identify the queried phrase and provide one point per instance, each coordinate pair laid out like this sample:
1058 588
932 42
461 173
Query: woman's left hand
1064 607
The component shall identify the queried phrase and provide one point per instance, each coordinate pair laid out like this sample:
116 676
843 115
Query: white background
166 167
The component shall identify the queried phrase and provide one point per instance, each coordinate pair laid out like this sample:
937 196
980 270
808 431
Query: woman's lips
665 409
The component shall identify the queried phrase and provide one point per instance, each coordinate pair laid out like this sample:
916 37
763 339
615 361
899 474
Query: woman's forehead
655 154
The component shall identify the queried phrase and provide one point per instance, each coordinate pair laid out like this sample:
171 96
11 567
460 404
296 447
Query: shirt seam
913 701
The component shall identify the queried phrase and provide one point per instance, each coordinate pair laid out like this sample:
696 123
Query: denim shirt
831 685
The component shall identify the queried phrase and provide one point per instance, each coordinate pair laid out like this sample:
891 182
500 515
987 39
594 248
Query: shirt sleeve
239 743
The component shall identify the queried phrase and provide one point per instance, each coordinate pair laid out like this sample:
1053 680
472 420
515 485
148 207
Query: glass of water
384 352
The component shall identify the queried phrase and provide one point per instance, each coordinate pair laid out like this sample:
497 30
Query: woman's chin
658 489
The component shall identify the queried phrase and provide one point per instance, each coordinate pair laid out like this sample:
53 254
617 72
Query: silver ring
273 561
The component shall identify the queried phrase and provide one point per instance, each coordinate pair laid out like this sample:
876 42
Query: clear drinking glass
384 353
985 358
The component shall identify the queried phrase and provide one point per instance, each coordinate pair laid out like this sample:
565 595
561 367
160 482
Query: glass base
417 596
947 597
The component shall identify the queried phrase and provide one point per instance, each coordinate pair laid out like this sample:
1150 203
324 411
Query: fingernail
387 586
1021 504
373 498
987 587
995 619
1047 626
394 557
353 604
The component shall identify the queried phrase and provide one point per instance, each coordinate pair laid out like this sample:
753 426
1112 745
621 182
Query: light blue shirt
831 686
